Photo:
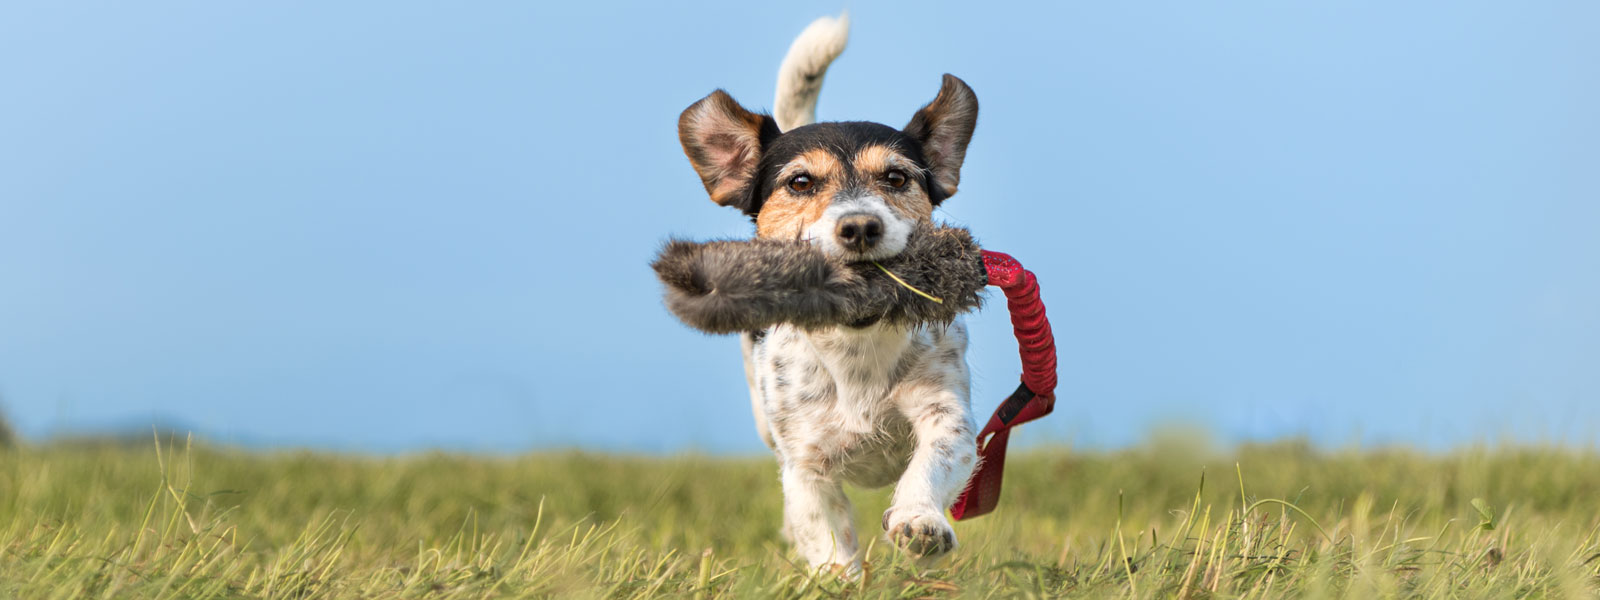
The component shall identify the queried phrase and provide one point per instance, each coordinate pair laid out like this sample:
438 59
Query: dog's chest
843 375
831 395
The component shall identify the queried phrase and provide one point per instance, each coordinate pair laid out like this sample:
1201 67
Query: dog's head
854 189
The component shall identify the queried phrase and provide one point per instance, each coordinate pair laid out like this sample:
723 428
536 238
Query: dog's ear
944 127
723 141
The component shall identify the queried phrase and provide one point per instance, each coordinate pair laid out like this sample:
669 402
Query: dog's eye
896 179
801 183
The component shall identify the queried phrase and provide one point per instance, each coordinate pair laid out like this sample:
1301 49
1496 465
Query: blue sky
391 225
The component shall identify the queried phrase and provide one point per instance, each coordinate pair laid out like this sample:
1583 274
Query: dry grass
1161 521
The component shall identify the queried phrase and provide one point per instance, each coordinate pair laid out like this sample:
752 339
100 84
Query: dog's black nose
859 232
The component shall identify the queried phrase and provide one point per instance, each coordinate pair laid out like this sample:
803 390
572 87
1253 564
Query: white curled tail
800 76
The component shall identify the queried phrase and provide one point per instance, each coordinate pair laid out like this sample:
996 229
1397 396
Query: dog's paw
923 533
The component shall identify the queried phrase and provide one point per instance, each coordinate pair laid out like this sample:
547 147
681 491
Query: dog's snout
859 232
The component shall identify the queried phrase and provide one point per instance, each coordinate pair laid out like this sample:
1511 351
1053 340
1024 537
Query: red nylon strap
1033 399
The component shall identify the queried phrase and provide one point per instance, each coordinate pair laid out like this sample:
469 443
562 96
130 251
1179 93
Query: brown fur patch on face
786 213
873 162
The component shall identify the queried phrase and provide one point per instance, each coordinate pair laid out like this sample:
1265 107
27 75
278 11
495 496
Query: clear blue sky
394 225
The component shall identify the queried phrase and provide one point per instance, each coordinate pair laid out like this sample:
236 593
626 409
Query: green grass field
1165 520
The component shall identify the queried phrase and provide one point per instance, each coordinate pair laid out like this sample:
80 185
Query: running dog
867 403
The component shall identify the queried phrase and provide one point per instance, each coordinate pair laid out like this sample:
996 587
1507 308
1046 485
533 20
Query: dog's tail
800 76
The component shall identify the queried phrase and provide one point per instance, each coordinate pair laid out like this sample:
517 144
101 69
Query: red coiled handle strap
1034 398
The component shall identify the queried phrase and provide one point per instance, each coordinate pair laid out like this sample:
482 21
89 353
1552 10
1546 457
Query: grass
7 438
1164 520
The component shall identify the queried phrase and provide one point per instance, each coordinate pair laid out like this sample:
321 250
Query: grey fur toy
748 285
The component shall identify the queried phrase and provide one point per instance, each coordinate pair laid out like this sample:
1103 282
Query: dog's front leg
946 453
816 516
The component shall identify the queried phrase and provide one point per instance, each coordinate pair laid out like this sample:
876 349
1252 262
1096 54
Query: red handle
1033 399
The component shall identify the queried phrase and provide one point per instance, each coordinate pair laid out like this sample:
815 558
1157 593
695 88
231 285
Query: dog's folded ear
944 127
723 142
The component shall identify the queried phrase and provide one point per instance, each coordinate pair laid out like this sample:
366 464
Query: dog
866 403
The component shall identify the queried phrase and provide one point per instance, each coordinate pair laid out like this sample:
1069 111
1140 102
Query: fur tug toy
749 285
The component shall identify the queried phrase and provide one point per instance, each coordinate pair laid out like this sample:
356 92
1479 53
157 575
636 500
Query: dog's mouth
867 256
849 255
